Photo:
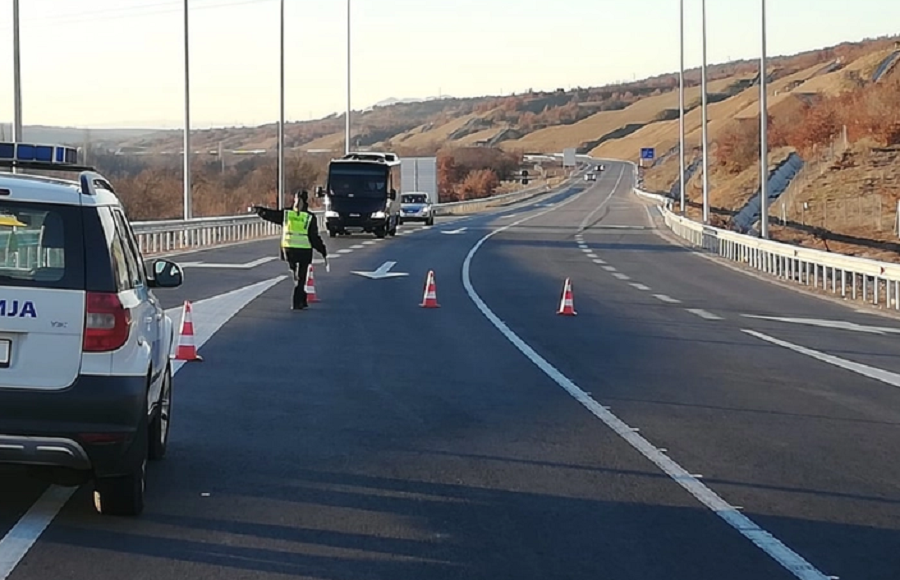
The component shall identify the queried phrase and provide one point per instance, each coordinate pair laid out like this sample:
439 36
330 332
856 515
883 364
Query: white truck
418 189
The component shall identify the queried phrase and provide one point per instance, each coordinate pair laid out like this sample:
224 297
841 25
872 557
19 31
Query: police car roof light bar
42 157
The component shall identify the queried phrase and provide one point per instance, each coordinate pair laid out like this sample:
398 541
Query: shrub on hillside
738 147
477 184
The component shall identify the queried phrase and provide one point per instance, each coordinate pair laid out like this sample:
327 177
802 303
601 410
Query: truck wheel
331 233
380 232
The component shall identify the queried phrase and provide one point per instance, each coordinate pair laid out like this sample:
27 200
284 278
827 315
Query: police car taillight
106 322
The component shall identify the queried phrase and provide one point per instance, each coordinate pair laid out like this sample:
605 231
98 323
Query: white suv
85 377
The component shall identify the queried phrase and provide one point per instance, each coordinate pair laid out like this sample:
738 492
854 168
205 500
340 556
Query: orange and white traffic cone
567 305
430 299
187 350
310 285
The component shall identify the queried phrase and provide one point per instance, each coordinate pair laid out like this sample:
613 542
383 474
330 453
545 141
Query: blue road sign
647 152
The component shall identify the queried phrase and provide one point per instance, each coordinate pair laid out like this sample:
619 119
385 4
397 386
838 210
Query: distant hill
75 136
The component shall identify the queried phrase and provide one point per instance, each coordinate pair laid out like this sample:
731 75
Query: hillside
834 122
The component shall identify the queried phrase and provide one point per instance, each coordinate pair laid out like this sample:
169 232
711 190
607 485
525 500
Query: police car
85 375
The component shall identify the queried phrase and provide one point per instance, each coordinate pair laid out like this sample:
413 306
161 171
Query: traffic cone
186 351
566 305
430 299
310 286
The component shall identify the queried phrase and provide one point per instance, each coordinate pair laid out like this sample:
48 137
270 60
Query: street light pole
705 122
681 108
763 136
347 119
17 80
188 210
281 119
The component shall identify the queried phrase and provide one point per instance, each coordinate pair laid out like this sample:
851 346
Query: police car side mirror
166 274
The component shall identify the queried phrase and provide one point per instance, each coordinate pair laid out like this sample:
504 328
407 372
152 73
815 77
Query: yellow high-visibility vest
295 229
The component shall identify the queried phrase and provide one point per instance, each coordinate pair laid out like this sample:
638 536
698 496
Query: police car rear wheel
159 428
122 496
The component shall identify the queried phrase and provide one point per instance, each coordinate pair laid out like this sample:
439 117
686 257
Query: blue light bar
35 155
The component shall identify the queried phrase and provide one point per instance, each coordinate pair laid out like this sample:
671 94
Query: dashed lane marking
668 299
704 314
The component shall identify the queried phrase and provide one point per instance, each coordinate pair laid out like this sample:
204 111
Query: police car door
147 315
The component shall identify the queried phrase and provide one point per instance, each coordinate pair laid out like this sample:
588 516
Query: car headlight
330 214
378 215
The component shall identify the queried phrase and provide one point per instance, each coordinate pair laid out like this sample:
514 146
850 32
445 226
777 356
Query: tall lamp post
681 108
705 122
347 118
17 79
188 210
763 136
281 116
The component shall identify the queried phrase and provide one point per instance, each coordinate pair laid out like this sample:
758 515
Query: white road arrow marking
841 324
246 266
382 272
456 231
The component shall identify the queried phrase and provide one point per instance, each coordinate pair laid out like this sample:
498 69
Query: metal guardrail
850 277
170 236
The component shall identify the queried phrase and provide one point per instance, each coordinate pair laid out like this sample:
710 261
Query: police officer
299 237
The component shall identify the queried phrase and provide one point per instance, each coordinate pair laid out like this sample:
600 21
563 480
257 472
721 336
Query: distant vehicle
85 377
416 207
601 168
590 177
360 194
419 177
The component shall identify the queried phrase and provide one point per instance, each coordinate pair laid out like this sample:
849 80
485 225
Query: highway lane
347 253
805 447
435 453
441 452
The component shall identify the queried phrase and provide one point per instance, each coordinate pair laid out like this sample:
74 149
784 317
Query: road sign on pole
647 153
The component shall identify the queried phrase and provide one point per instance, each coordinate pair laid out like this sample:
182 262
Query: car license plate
354 215
5 351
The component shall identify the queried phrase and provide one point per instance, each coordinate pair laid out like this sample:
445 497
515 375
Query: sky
120 63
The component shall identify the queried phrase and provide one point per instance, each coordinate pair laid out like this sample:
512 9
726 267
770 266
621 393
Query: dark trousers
298 260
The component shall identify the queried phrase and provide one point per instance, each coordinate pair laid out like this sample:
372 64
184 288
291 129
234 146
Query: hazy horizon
134 74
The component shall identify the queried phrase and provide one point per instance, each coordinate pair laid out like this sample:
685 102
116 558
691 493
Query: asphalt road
491 438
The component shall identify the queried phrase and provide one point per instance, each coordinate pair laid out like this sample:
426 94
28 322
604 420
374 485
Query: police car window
132 255
116 250
32 245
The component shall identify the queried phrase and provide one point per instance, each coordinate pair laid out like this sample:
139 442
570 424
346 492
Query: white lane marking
665 298
209 315
344 251
703 314
882 375
582 246
224 265
840 324
621 276
357 247
599 261
609 268
586 250
640 286
789 559
591 255
368 243
603 203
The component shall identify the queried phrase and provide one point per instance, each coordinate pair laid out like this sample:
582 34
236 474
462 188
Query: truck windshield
357 180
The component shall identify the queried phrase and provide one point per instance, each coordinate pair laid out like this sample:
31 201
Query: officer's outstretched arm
276 216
